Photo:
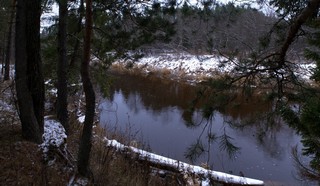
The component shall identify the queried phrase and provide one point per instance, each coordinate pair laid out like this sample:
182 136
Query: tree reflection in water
251 117
308 126
198 148
263 121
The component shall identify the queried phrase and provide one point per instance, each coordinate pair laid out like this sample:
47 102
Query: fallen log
169 164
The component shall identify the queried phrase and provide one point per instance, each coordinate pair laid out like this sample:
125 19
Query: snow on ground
81 118
305 71
184 167
191 64
6 99
181 64
197 66
54 135
4 106
7 109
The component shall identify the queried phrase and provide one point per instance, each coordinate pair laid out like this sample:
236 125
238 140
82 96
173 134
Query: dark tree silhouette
77 32
29 79
9 42
62 68
85 143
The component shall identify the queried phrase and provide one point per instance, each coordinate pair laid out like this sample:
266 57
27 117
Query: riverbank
108 165
191 68
26 163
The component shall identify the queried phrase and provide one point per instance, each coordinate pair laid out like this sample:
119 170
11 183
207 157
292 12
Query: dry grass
22 163
111 167
19 159
164 73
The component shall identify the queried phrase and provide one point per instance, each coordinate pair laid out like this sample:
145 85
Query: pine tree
28 66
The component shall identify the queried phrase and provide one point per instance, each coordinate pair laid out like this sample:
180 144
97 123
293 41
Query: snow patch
199 65
305 71
81 119
54 91
54 135
5 106
190 64
205 182
81 182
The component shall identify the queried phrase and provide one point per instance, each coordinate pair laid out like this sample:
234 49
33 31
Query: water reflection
153 93
160 112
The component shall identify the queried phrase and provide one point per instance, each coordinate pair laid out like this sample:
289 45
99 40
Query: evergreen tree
62 66
9 42
85 143
28 66
5 9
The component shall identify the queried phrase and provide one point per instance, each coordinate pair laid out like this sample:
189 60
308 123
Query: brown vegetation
164 73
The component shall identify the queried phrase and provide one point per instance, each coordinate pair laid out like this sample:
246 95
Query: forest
55 61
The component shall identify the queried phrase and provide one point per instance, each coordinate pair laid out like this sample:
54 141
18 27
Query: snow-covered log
184 167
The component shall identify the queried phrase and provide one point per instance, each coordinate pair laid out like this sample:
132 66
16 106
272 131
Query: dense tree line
6 47
227 28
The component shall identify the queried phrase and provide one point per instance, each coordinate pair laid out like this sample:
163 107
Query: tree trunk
30 125
307 12
3 52
2 59
8 50
62 101
34 67
85 143
79 28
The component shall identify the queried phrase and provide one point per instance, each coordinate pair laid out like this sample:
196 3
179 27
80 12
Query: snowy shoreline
192 68
176 66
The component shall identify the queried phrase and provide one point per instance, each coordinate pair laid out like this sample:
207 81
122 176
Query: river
153 112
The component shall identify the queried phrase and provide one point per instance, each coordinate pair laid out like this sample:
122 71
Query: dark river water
152 112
